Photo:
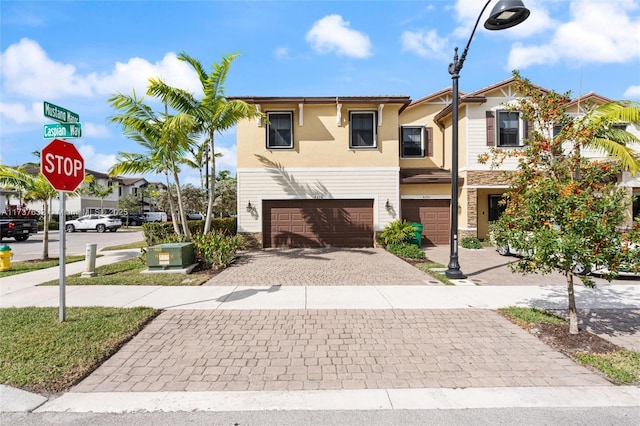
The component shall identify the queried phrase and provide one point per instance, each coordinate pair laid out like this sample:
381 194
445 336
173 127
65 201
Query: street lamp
505 14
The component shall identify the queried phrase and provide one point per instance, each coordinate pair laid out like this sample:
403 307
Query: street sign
62 165
60 114
62 130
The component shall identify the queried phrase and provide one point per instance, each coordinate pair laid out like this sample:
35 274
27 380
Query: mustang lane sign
62 165
60 114
62 130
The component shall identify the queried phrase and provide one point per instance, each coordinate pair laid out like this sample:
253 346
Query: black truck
18 223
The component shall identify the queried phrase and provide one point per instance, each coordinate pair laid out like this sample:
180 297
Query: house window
496 208
362 125
134 191
413 142
119 191
509 129
280 130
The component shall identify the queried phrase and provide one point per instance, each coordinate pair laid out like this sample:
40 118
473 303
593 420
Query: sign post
63 166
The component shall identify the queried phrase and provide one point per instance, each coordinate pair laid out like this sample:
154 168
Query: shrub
162 232
471 243
396 232
215 250
409 251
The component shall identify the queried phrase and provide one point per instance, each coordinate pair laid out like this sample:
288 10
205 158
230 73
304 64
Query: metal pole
61 257
453 270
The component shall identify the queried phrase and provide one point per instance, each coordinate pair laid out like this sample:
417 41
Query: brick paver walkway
189 350
321 267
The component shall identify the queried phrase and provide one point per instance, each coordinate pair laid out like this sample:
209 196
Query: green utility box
170 256
416 238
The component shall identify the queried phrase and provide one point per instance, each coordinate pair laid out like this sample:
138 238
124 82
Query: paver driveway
321 267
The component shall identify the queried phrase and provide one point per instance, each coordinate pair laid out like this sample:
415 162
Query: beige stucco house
334 171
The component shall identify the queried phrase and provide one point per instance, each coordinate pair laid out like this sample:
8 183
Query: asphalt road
75 243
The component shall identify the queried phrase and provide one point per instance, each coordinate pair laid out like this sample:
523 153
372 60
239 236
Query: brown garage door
434 217
318 223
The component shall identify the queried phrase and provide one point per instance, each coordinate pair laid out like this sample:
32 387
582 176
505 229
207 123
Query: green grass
41 354
127 272
429 267
135 245
621 366
34 265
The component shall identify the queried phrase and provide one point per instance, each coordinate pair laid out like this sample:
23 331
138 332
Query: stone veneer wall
251 240
486 178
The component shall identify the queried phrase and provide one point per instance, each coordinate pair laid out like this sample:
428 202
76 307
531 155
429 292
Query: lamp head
506 14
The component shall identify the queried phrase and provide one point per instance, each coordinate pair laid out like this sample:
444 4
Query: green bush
162 232
396 232
410 251
215 250
471 243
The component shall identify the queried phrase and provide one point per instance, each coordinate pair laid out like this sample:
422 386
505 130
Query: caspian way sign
62 130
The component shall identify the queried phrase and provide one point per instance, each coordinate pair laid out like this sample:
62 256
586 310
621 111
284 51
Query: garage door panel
434 215
318 223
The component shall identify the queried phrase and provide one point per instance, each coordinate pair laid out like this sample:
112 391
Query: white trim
380 108
320 169
259 118
338 115
300 115
373 122
426 197
291 113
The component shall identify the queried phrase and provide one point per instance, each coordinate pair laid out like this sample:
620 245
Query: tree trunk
573 313
212 181
183 216
176 229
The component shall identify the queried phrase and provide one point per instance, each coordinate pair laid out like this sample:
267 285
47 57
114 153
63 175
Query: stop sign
62 165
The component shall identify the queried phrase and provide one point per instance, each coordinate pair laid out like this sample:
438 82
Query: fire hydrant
5 258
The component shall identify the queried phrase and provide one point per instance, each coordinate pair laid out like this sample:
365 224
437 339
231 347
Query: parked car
135 219
99 222
156 217
195 216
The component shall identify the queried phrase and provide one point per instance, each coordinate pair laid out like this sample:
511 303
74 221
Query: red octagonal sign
62 165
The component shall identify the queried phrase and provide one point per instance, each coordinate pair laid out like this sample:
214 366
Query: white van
155 217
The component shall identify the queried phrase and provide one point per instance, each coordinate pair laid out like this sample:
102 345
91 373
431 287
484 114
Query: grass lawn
40 354
127 272
435 270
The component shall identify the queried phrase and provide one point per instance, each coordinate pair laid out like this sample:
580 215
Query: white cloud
27 70
632 92
333 34
91 130
21 114
281 53
425 43
95 161
598 32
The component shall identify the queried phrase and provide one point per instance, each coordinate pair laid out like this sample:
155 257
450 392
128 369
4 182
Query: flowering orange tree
561 210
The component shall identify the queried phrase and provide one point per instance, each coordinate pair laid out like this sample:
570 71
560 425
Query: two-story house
334 171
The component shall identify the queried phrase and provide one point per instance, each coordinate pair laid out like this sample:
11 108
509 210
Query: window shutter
428 134
491 128
528 125
400 142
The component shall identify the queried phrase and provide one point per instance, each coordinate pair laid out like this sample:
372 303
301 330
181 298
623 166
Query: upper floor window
506 129
362 129
416 141
280 130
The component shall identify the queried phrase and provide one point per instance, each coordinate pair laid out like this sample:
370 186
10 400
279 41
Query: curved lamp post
505 14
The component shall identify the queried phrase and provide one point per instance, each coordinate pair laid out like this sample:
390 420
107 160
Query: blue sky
76 54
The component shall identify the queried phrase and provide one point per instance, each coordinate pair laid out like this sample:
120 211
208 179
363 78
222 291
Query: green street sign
62 130
60 114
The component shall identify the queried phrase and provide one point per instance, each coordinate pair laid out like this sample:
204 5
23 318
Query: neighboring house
334 171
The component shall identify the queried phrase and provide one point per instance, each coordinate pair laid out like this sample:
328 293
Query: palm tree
214 113
35 188
99 191
610 137
166 138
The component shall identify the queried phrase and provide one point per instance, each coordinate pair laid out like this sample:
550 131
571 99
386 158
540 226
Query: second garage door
434 217
317 223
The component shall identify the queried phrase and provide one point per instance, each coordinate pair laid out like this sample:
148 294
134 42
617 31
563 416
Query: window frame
268 129
374 123
520 130
423 142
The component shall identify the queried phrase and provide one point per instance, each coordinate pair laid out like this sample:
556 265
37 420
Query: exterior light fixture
505 14
249 207
388 204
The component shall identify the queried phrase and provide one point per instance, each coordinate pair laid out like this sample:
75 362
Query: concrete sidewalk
375 346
